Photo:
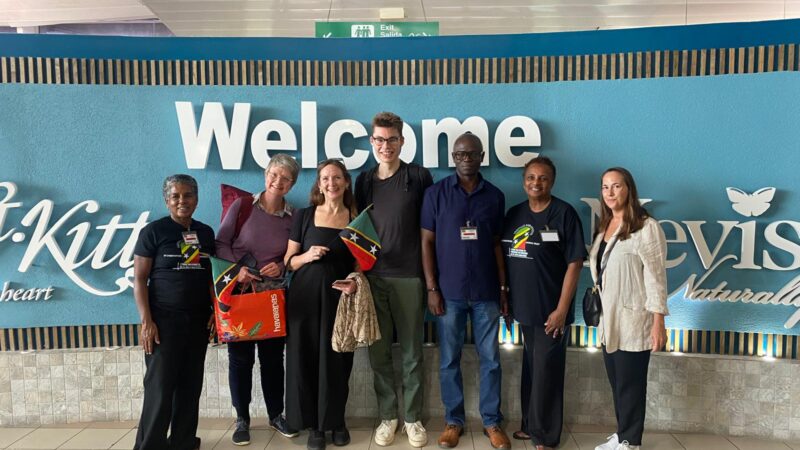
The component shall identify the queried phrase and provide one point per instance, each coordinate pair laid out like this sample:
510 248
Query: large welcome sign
704 117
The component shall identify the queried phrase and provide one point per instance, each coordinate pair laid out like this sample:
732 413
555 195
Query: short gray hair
178 178
285 161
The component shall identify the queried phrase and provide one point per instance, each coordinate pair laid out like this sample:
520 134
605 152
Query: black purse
592 305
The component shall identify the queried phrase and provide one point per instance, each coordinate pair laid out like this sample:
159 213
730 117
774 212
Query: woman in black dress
316 376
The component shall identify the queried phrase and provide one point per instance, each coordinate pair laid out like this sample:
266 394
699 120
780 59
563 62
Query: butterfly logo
748 205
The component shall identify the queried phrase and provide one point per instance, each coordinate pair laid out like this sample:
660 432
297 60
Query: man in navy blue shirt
461 220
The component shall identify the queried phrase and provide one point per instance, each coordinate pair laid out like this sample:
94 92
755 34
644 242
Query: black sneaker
316 440
279 424
341 436
241 436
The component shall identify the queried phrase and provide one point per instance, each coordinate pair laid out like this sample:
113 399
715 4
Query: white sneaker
384 434
612 444
417 436
625 446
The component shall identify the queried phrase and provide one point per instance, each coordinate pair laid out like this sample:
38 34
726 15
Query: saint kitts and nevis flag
362 240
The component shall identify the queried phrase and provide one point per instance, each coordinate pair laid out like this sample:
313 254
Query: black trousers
627 373
241 359
172 383
543 417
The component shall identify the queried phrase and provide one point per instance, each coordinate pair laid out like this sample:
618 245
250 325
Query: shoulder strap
245 209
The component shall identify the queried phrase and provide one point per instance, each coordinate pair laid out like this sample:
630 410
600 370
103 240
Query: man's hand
435 303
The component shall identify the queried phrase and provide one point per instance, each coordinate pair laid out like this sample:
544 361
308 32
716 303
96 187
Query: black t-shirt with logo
536 263
181 273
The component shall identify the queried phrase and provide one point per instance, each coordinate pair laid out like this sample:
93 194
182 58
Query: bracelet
433 289
504 288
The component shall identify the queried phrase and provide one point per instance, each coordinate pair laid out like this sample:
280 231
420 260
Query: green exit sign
376 29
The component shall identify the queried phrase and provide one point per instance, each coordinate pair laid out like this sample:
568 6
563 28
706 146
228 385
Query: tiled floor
216 434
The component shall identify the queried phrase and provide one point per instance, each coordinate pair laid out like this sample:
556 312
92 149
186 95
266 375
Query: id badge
469 233
190 237
549 235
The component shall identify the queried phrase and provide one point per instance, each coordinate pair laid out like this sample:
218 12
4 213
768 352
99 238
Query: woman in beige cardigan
629 251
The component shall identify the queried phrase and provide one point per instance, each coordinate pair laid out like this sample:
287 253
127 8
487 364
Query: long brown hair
317 198
633 216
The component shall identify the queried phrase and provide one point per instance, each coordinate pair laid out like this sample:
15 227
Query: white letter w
197 143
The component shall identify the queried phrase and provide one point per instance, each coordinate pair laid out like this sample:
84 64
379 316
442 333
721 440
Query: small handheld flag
362 240
224 273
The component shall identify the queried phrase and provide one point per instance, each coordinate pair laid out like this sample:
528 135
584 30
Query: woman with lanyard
544 252
172 289
628 263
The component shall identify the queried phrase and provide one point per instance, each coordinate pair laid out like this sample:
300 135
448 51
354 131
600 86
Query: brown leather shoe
497 437
450 435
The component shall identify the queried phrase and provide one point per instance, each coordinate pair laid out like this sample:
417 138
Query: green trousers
399 306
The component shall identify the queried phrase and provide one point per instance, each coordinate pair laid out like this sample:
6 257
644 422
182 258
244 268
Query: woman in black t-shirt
544 251
172 289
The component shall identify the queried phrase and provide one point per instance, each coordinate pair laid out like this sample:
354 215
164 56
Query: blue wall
685 139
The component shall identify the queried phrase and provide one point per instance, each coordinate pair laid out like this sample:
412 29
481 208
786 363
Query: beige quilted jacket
634 286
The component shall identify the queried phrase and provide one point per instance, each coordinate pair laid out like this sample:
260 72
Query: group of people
449 246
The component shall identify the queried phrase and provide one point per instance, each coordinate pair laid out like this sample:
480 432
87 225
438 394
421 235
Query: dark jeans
172 383
241 359
546 360
627 373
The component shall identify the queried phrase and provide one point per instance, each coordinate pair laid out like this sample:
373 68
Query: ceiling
296 18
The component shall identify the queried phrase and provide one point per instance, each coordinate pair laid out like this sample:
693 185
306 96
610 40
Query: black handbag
592 307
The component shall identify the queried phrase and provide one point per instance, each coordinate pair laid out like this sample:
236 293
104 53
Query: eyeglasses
378 140
463 156
273 176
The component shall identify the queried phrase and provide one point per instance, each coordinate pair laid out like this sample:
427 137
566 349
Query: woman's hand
555 323
658 335
245 276
271 270
315 253
347 286
148 336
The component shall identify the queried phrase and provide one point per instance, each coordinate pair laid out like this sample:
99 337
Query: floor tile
660 441
226 423
126 442
279 442
704 442
258 440
567 443
75 425
125 424
794 445
746 443
11 435
589 440
45 438
209 438
95 439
